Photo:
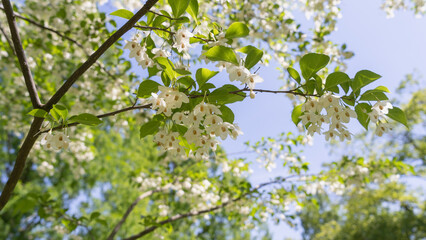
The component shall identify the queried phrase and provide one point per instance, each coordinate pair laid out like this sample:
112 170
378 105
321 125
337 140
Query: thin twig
47 28
168 31
159 14
7 39
153 28
128 211
19 50
104 115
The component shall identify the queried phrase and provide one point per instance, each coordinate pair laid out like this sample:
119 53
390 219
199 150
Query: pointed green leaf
373 95
86 119
147 87
203 75
178 7
237 30
294 74
221 53
254 55
123 13
227 114
335 79
149 128
193 9
311 63
60 110
297 112
226 94
398 115
363 78
40 113
361 111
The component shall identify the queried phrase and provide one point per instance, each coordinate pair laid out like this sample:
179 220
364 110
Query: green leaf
294 74
86 119
373 95
227 114
187 82
363 78
178 7
361 111
318 84
254 55
207 86
149 128
61 111
179 128
123 13
94 215
310 86
40 113
237 30
223 95
165 79
335 79
398 115
193 9
221 53
147 87
297 112
311 63
203 75
168 67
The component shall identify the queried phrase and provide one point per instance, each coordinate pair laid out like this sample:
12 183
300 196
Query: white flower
179 117
252 79
160 53
330 134
382 107
312 105
374 116
183 35
239 73
146 63
212 120
182 46
235 131
329 100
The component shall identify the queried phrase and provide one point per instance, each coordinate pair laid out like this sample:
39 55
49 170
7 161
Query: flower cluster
140 52
182 40
167 100
54 142
203 125
335 116
241 74
379 110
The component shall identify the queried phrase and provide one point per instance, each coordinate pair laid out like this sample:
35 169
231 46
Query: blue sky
390 47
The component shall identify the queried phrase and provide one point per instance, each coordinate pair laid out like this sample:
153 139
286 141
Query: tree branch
19 50
191 214
104 115
97 54
21 158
